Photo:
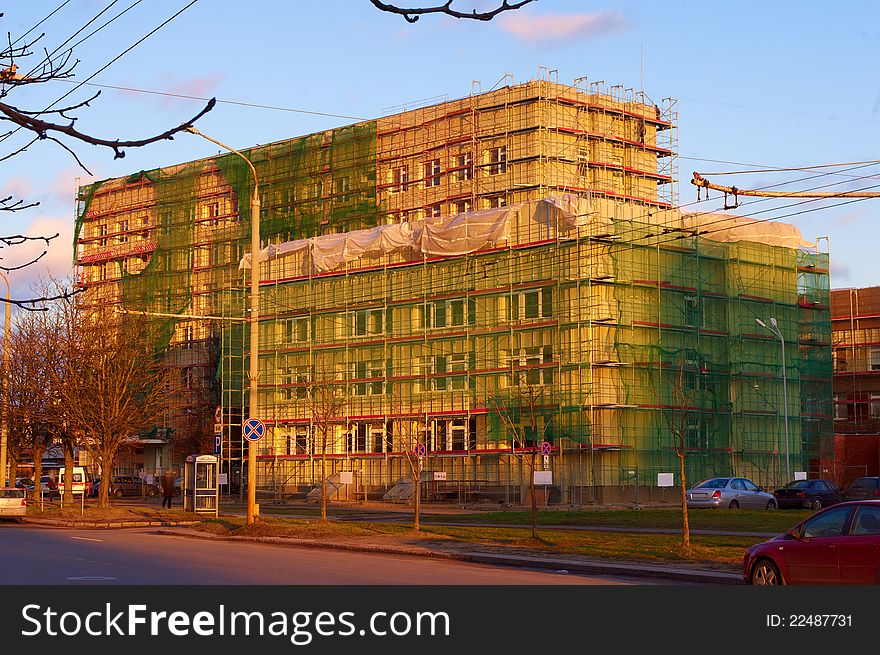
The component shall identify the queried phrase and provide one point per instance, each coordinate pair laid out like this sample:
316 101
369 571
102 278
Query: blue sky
777 84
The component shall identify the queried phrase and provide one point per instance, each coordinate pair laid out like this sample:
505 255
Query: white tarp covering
445 236
724 227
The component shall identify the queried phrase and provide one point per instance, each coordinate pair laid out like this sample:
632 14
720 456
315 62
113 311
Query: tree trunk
38 469
685 526
324 482
67 446
106 479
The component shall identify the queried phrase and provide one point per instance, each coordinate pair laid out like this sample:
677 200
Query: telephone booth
200 491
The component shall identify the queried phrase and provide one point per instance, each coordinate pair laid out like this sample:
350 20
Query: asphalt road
138 556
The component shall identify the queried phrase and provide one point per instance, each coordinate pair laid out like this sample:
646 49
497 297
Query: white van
81 483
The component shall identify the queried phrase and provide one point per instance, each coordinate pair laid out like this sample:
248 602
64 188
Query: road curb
629 569
106 525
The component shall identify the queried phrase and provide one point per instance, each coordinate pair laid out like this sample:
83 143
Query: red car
839 545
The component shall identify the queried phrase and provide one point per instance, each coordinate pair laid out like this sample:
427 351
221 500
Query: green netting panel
86 194
164 284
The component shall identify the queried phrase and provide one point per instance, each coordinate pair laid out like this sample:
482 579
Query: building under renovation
480 276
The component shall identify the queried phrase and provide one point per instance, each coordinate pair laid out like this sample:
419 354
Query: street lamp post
4 429
774 328
253 322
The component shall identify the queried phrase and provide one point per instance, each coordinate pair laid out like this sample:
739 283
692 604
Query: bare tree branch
412 14
42 128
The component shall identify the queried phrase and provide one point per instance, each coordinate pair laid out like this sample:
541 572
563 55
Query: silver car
12 503
731 493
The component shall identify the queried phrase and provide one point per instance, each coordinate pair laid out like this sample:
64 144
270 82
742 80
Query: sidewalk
497 556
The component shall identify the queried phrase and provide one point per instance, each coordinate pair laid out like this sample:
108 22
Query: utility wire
52 13
219 101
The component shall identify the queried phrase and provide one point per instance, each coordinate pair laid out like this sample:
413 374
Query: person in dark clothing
167 488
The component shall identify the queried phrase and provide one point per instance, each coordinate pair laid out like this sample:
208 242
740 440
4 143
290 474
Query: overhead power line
239 103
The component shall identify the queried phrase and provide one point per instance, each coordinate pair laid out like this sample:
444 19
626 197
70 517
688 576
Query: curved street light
774 328
253 322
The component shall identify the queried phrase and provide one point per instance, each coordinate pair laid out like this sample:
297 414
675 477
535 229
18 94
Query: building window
464 165
432 173
443 372
186 376
400 179
212 213
298 442
343 186
294 382
529 304
166 223
369 378
448 313
363 322
874 359
839 356
498 160
874 405
123 229
432 211
840 407
188 337
296 330
692 311
528 366
102 232
494 202
461 206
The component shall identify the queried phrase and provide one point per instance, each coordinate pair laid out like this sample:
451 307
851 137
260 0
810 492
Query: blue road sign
217 439
253 429
546 448
420 450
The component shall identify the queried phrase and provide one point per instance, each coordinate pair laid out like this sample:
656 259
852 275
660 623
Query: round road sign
546 448
253 429
419 450
218 414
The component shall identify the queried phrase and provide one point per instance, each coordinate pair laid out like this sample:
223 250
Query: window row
460 170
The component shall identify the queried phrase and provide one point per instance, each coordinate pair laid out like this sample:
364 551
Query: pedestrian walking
167 488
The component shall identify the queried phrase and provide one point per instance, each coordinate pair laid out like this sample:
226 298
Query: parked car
127 485
24 483
730 493
838 545
12 503
863 488
809 494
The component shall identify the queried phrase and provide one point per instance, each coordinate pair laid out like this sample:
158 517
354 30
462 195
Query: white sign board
439 475
218 429
346 477
151 479
222 478
543 477
665 479
800 475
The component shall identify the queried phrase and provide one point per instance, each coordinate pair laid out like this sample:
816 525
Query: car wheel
764 573
118 493
817 504
152 492
733 505
771 505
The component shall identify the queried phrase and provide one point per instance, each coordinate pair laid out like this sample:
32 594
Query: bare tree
326 398
112 386
679 416
519 411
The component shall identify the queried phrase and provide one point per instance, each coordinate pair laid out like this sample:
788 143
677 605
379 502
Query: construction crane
701 182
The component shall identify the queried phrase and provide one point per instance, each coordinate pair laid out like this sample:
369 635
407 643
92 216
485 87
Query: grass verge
706 549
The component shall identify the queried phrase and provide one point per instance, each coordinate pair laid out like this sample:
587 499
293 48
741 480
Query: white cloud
839 271
551 28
